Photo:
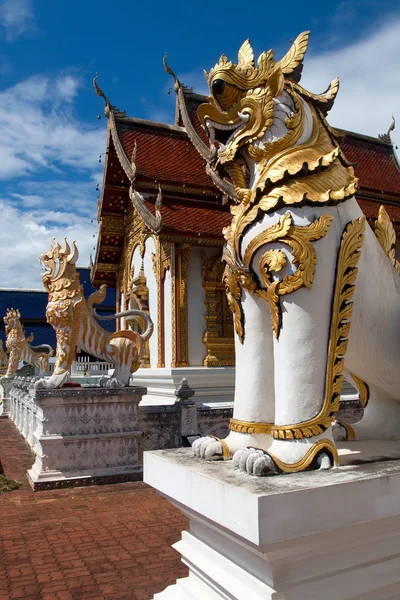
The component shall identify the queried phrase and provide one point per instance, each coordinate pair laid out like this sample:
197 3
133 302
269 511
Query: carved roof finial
108 107
177 84
385 137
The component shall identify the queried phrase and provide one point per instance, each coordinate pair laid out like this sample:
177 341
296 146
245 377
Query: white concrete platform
212 384
331 535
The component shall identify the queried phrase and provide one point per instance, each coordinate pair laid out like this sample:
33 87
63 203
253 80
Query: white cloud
369 82
49 166
27 234
38 129
16 18
67 87
77 197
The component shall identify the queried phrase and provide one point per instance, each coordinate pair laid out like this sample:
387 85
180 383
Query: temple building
160 240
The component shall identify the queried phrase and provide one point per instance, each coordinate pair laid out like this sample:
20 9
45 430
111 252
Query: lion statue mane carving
72 317
19 348
314 293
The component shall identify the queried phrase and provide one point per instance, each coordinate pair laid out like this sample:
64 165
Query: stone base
211 384
59 479
331 535
79 435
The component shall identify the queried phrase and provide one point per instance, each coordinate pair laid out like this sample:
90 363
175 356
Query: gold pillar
182 254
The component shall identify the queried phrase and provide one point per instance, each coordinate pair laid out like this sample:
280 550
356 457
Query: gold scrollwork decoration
234 294
300 239
342 308
386 237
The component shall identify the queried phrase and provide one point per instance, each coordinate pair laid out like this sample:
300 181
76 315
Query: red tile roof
370 209
194 218
377 167
164 155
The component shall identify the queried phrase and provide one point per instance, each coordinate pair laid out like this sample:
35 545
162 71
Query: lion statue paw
111 382
339 432
208 448
254 462
52 382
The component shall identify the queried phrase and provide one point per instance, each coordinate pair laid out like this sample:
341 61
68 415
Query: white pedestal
5 388
329 535
211 384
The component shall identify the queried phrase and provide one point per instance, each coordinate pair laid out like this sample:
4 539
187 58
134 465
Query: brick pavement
110 542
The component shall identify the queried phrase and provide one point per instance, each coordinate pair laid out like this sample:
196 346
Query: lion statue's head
266 128
58 265
12 319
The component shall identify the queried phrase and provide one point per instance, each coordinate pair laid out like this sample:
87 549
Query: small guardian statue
73 319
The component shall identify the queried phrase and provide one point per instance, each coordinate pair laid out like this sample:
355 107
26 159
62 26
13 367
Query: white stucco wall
196 307
167 319
150 248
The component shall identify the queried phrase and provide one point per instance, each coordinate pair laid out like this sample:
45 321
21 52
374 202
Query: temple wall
167 319
196 309
152 285
121 324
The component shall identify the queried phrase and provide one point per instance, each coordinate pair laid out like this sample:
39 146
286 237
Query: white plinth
330 535
212 384
5 387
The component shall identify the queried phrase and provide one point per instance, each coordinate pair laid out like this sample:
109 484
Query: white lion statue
19 348
314 292
73 319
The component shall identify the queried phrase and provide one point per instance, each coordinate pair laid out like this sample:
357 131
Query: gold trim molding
250 426
363 390
386 236
218 336
342 308
305 463
182 256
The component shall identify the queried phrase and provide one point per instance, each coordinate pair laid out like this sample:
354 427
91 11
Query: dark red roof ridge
151 124
362 136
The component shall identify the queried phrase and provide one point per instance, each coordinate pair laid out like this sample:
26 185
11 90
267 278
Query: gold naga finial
177 84
385 137
108 107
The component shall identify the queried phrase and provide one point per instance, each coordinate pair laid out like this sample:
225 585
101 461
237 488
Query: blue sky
50 137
